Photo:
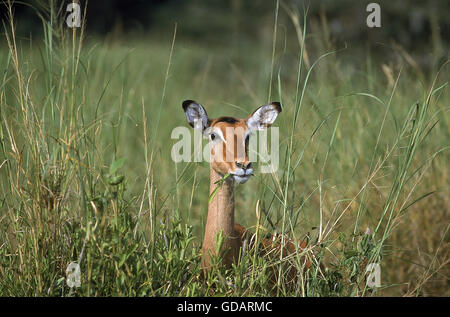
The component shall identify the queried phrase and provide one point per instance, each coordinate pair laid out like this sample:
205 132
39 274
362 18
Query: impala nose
241 165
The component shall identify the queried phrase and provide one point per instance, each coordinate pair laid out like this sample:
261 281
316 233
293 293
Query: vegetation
86 174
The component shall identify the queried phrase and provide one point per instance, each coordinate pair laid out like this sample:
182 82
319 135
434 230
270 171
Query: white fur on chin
241 179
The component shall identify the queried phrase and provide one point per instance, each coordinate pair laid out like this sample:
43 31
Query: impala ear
196 115
264 116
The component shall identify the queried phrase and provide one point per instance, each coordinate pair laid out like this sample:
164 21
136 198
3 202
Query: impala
230 164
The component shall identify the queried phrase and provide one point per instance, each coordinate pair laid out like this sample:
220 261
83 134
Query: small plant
219 184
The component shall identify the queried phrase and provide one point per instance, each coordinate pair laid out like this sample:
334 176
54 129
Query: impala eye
213 136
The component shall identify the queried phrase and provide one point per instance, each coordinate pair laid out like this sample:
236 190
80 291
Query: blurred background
421 28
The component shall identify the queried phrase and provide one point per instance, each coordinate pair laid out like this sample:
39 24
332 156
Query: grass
86 174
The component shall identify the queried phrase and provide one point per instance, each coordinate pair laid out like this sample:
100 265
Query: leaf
214 193
116 180
416 200
219 186
116 165
122 260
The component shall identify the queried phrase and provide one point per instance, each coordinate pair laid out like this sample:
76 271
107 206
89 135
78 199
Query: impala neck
220 219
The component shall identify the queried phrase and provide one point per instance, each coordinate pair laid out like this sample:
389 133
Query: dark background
408 21
419 27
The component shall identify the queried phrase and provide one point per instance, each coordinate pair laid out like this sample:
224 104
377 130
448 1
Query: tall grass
86 175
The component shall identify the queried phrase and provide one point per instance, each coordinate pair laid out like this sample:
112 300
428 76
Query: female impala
229 140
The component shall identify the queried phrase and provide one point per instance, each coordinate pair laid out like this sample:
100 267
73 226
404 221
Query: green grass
86 174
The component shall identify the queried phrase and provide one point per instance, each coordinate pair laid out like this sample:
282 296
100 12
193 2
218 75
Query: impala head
229 136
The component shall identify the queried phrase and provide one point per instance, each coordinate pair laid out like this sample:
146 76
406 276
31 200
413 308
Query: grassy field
86 174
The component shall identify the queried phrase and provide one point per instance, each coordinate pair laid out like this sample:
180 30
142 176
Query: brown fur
221 208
